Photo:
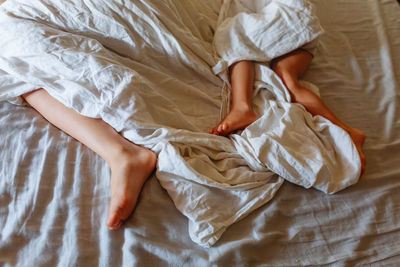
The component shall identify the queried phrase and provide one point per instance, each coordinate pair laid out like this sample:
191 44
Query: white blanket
148 69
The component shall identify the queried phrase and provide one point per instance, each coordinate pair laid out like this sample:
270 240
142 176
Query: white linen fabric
148 68
259 30
54 191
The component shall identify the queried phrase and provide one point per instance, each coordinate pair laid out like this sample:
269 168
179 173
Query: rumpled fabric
156 71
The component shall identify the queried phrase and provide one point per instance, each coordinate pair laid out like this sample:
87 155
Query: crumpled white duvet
156 71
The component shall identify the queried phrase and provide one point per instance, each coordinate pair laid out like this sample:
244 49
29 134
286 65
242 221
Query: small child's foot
358 138
237 119
128 174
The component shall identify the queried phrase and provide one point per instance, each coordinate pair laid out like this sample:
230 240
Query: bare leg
290 68
241 114
130 164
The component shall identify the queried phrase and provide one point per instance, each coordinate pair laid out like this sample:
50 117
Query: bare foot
358 138
128 174
237 119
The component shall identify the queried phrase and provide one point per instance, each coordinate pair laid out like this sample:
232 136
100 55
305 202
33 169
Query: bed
55 191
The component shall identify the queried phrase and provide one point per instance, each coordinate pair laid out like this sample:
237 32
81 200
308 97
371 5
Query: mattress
54 191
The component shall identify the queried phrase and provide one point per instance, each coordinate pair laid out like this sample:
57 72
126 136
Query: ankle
118 155
242 106
139 157
122 153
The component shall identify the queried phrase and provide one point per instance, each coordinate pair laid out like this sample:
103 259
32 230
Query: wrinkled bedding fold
156 72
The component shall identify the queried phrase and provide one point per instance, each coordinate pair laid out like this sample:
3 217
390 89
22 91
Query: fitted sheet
356 72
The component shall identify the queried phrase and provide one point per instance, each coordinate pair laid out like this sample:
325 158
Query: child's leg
290 68
241 114
130 164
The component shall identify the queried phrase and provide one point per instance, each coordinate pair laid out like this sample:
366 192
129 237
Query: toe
225 127
119 210
115 226
213 131
219 129
113 222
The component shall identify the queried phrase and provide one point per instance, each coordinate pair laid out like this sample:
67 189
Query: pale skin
290 68
130 164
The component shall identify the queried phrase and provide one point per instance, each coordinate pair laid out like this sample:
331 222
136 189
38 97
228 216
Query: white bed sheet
140 71
356 71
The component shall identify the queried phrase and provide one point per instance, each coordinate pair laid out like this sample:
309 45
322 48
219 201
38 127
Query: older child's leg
241 114
130 164
290 68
